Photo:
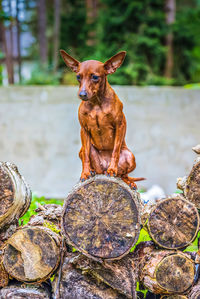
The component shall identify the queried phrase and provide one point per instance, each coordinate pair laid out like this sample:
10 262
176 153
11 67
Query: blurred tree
91 13
42 37
7 39
170 9
56 31
18 40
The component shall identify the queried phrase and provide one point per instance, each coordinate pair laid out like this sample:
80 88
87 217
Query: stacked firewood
83 249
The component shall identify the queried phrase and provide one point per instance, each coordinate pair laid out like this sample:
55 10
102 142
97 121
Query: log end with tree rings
173 223
101 218
192 189
31 254
15 194
168 272
175 273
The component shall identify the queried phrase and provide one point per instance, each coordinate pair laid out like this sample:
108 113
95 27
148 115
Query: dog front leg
119 139
85 155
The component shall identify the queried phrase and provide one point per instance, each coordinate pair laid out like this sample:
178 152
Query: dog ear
70 61
114 62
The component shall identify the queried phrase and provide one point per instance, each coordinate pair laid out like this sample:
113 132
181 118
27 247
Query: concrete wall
39 131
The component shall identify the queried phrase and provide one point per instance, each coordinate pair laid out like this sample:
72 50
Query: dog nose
83 95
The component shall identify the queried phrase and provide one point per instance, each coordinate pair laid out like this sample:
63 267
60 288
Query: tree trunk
15 199
8 58
173 223
42 31
57 4
32 254
101 218
91 7
11 50
167 272
121 275
18 290
170 8
76 285
18 42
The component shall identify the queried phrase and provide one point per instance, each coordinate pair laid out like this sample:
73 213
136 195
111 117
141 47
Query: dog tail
139 179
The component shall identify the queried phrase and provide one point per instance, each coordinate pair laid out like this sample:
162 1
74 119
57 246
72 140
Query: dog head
91 74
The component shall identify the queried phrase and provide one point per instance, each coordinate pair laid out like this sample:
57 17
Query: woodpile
85 245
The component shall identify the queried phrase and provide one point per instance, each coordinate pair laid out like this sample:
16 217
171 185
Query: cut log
22 291
75 285
32 254
168 272
173 223
192 188
48 215
4 278
174 297
121 275
195 291
15 195
101 218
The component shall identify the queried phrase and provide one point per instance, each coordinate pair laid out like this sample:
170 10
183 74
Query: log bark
32 254
75 285
192 188
168 272
19 291
174 297
4 278
173 223
48 215
101 218
195 291
15 199
121 275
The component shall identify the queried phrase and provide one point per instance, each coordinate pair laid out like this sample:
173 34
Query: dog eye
95 78
78 77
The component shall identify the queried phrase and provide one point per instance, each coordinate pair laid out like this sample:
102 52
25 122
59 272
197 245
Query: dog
103 124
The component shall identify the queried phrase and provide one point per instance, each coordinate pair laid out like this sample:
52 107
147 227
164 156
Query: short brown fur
103 124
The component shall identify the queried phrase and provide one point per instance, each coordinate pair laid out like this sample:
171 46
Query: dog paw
111 172
85 176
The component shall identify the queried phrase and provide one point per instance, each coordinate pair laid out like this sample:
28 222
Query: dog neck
105 93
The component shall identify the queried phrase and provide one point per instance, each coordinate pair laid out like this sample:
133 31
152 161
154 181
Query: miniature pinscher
103 124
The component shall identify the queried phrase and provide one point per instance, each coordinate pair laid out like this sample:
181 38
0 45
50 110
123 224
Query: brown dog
103 124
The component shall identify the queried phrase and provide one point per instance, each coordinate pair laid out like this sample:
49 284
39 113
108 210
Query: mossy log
101 218
23 291
173 223
32 254
15 195
168 272
121 274
195 291
76 285
48 215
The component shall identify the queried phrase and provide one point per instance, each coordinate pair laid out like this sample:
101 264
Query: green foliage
139 27
41 76
34 205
